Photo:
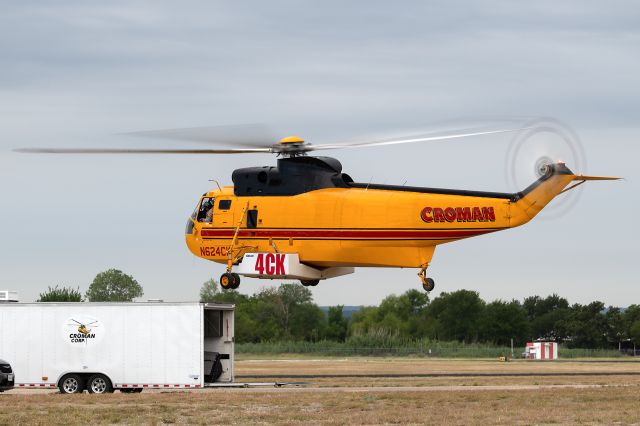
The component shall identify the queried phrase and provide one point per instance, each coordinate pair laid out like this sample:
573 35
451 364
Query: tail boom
528 203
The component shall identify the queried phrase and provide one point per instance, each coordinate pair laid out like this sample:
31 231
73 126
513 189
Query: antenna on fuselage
213 180
369 183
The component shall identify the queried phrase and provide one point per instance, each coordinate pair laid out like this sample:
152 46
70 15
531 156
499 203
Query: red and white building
541 350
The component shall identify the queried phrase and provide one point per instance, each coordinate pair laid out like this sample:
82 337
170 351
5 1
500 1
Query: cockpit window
205 213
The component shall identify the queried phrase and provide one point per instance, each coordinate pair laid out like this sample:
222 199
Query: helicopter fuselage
307 206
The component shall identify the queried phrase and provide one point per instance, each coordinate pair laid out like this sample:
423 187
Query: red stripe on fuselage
334 233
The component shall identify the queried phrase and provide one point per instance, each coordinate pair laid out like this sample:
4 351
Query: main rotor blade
408 140
246 135
140 151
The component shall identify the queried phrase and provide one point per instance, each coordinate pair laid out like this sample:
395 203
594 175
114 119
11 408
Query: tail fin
528 203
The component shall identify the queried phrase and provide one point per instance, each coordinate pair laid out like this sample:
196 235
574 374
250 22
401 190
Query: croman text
79 337
458 214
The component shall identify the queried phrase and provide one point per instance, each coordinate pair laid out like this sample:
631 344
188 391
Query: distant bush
61 294
589 353
378 342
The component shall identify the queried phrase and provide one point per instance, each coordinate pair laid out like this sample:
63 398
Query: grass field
602 393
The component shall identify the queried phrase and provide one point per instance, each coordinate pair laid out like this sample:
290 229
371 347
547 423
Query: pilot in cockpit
206 210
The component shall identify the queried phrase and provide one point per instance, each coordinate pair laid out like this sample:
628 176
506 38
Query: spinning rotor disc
252 139
544 142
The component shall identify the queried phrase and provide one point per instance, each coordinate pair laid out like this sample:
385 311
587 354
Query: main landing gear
230 280
308 283
428 284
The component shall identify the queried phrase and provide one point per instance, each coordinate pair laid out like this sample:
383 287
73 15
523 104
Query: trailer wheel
71 383
99 383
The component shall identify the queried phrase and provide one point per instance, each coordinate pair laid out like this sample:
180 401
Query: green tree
336 324
503 321
61 294
364 320
456 315
587 326
113 286
634 332
401 315
307 322
615 327
630 316
287 312
209 292
547 317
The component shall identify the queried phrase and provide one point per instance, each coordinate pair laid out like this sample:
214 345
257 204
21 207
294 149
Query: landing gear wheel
236 280
226 281
429 284
99 383
71 383
230 281
308 283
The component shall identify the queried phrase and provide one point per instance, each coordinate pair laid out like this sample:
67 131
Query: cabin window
224 204
205 213
252 218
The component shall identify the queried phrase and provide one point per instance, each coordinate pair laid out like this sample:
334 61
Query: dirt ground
373 371
461 393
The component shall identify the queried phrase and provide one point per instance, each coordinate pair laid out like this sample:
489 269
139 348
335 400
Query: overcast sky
77 73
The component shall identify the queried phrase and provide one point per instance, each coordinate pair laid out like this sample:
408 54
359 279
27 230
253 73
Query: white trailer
128 346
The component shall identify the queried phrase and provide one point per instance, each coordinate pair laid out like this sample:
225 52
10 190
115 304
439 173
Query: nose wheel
230 281
428 284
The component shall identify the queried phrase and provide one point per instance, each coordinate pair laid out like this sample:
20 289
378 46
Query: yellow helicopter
305 219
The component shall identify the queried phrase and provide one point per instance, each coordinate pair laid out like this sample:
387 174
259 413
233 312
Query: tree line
288 313
112 285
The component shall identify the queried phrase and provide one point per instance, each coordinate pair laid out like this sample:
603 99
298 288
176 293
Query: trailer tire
71 383
99 383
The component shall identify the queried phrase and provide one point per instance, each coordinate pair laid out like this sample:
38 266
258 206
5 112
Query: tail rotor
544 142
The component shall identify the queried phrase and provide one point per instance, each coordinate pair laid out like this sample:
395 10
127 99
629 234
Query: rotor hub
542 166
291 146
291 140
